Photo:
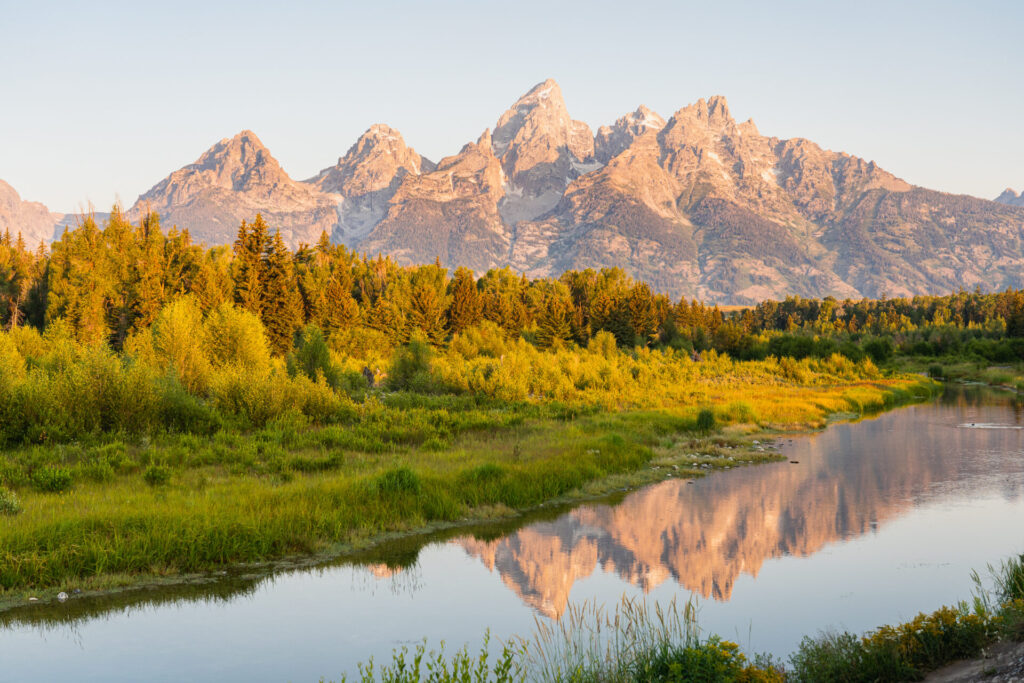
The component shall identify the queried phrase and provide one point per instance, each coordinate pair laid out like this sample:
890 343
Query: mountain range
697 205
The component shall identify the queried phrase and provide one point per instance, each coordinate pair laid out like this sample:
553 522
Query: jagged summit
239 164
233 180
611 141
697 204
377 160
1011 198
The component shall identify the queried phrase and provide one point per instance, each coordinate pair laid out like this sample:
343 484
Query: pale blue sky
102 100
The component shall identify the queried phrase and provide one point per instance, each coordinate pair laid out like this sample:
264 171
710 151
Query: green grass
181 505
330 473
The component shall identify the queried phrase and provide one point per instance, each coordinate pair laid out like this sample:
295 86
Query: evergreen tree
250 264
554 328
643 314
281 306
466 307
427 313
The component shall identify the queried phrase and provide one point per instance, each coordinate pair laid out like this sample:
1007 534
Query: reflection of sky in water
881 519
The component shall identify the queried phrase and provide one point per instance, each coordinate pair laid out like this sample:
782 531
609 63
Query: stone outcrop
33 221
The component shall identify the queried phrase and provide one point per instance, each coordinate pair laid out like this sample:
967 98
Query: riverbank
300 494
633 643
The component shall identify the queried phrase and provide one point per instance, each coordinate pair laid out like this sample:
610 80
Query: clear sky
101 100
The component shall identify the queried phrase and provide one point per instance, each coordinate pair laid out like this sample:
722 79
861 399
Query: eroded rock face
541 150
451 212
33 221
1010 197
367 178
611 141
698 206
233 181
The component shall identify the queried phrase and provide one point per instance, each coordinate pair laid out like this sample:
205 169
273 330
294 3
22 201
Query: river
866 523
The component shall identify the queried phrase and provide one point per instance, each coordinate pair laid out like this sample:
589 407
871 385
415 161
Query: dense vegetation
167 409
108 285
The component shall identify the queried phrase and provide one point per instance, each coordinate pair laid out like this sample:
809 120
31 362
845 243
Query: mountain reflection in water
849 480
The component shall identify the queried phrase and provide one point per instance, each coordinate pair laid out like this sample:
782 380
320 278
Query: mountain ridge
697 204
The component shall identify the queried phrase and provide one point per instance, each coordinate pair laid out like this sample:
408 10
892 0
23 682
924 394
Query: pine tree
466 308
643 316
149 271
340 310
281 305
554 327
426 313
249 273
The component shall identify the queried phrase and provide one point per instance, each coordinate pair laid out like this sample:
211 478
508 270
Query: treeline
110 283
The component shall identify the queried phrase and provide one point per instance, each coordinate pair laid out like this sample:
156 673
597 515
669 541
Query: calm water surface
877 521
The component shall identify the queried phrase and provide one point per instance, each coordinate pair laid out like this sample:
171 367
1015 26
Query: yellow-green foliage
236 337
898 653
768 391
260 463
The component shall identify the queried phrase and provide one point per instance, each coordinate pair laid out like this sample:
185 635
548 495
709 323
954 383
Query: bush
711 661
183 412
398 481
880 350
52 479
935 371
410 367
312 358
706 420
155 475
9 502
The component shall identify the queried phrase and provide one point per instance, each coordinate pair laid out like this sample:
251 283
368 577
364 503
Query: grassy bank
112 509
639 643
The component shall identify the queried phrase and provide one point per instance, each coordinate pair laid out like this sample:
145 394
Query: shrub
398 481
234 336
52 479
935 371
156 475
9 502
706 420
880 350
603 344
180 344
181 411
410 367
312 358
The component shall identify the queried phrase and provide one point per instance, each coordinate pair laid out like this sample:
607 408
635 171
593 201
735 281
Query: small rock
33 599
62 596
794 462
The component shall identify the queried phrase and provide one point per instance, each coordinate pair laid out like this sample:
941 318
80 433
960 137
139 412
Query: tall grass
636 642
908 651
590 643
195 448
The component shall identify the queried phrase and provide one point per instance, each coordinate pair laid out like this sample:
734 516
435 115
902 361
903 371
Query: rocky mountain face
231 182
33 221
1010 197
367 177
698 205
